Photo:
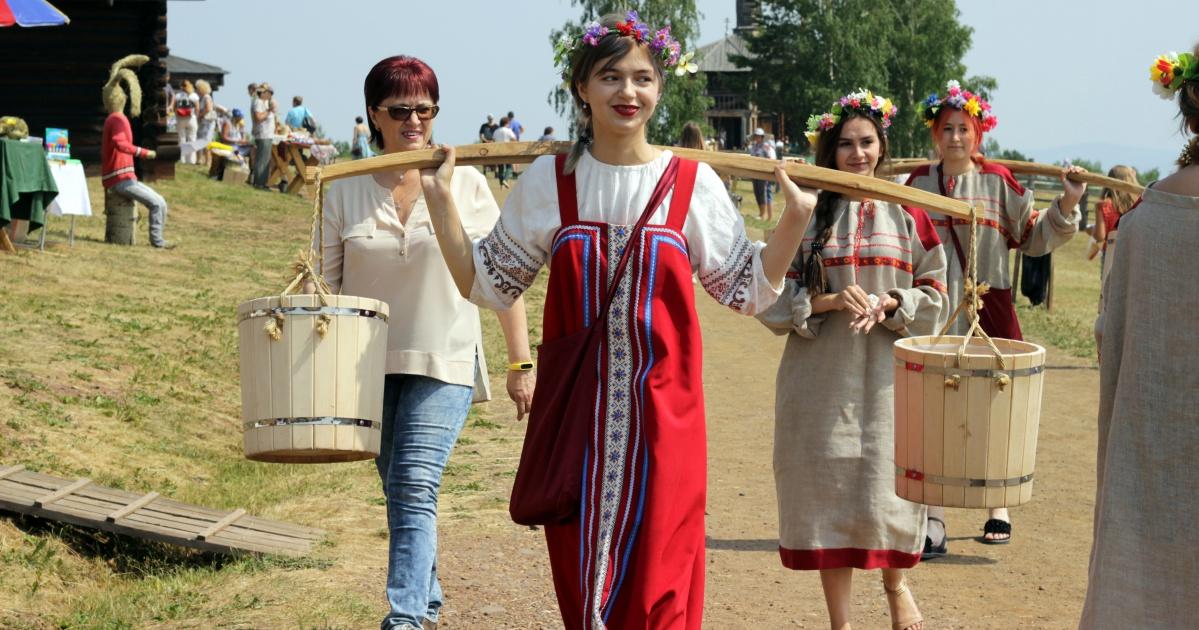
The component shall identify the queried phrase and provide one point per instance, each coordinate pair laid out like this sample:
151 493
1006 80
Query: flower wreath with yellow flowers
1170 70
964 100
661 44
863 102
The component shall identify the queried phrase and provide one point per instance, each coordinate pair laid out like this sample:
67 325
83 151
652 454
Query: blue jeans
149 198
422 417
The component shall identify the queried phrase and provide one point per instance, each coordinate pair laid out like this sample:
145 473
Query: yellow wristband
521 366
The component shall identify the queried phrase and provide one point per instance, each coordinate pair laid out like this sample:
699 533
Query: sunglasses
404 112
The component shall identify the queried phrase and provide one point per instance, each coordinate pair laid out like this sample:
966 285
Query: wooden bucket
308 399
966 435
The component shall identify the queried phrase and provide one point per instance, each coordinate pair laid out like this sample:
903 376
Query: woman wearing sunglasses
379 243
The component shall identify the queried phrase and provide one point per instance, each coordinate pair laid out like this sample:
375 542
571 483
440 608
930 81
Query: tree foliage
683 98
807 53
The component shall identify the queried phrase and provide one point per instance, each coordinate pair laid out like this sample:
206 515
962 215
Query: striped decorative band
335 311
964 482
317 421
937 369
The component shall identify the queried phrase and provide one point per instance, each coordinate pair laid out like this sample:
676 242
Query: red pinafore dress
634 558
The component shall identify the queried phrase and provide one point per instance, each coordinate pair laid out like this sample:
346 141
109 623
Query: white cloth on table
72 196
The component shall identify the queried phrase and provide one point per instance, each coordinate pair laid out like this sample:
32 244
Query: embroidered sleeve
508 259
728 264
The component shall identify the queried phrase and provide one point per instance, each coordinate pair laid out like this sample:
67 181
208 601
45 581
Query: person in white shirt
379 242
504 133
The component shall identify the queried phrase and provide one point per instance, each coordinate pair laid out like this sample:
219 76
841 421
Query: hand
436 182
1072 191
799 200
854 300
150 155
884 303
520 390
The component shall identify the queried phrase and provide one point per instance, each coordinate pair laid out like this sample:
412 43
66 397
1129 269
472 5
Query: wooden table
289 161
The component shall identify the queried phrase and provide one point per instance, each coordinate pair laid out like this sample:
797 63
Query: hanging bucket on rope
966 430
967 410
312 369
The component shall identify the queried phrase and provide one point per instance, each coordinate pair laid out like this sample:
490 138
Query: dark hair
504 121
400 75
826 204
297 100
693 137
613 47
511 115
358 119
548 131
1188 108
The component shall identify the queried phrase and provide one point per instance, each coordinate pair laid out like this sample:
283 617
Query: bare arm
788 234
447 224
516 335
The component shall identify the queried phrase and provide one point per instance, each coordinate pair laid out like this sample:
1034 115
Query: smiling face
409 134
957 136
622 95
858 147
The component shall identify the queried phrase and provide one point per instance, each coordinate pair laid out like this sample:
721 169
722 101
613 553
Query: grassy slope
120 364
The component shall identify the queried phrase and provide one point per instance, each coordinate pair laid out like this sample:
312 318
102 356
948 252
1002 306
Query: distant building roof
179 65
714 57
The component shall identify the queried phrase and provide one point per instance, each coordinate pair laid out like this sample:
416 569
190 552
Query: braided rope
309 265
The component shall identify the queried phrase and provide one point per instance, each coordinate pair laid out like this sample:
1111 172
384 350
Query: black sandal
939 551
996 526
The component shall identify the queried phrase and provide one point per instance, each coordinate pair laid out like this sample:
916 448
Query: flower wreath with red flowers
660 42
1170 70
963 100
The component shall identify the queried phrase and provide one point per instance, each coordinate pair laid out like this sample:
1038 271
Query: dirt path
496 575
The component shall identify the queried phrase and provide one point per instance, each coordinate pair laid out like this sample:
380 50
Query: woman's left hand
435 183
1072 191
520 390
876 315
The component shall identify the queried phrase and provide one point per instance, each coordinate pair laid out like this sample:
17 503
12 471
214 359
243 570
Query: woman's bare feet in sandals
905 615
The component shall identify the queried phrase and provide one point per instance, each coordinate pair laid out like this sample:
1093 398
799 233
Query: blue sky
1073 75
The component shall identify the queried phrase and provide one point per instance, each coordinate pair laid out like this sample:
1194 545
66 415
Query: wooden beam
221 524
1028 168
11 470
45 500
131 508
737 164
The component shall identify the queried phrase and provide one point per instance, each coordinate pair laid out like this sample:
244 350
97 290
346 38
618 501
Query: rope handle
972 293
308 265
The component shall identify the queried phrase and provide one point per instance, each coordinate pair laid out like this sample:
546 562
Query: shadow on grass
136 557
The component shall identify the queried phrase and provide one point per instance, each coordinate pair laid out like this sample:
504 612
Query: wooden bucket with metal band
312 377
966 431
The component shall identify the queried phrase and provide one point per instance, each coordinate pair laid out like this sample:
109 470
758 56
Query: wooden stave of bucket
988 459
339 419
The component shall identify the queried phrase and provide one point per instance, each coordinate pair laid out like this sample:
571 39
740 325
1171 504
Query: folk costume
834 440
1009 222
634 558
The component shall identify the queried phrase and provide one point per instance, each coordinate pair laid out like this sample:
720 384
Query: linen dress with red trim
1009 222
834 438
635 557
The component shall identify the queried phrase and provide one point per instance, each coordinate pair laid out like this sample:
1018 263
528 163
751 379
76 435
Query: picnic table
291 158
26 186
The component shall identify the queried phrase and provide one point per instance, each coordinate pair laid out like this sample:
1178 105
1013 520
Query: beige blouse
433 331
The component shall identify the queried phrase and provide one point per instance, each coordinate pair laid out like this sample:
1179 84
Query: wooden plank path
81 502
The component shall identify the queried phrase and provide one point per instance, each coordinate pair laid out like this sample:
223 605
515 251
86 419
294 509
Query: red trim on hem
848 557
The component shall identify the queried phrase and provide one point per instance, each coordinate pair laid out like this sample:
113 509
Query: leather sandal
892 599
996 526
932 552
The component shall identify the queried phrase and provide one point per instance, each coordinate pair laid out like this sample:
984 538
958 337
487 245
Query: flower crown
863 102
964 100
1170 70
660 42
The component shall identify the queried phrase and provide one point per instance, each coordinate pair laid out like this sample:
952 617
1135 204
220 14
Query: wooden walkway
81 502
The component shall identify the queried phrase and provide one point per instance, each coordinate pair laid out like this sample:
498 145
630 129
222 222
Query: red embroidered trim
869 261
931 282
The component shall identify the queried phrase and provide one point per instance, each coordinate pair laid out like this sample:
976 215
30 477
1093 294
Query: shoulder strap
953 234
568 200
680 200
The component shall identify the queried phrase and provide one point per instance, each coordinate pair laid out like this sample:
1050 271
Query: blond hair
1121 200
203 87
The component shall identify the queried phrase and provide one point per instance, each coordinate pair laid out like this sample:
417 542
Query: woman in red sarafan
634 556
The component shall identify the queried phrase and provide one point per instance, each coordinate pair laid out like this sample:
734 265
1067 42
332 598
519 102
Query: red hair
400 75
974 123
